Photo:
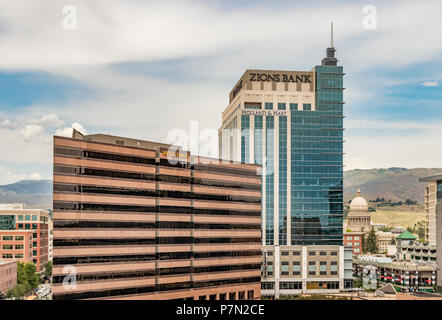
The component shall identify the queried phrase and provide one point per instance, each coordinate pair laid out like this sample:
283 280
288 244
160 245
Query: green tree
48 269
27 279
371 243
31 277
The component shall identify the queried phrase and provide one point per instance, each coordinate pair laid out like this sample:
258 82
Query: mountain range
396 184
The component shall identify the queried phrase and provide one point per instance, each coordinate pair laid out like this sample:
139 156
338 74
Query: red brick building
354 239
24 234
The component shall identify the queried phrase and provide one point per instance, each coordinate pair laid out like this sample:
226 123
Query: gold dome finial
359 192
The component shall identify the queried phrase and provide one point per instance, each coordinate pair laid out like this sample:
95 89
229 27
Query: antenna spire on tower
331 46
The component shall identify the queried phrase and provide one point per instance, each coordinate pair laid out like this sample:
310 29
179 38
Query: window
290 285
312 268
356 250
34 217
268 105
7 238
19 238
349 238
7 247
312 253
27 226
241 295
232 295
34 244
323 253
7 256
293 106
250 294
284 253
307 107
334 253
34 226
28 217
222 296
267 285
296 268
19 246
356 244
34 253
281 106
34 235
296 253
356 237
19 256
20 217
20 226
212 297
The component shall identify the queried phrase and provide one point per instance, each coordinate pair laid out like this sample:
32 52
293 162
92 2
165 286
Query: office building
291 122
433 207
24 234
135 220
430 202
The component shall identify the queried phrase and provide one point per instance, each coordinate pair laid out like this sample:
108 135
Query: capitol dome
358 218
359 203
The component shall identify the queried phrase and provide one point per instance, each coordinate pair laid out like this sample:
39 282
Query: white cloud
67 132
418 150
430 84
7 176
6 124
30 131
48 120
121 31
391 125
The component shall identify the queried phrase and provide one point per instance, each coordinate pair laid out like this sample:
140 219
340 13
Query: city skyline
392 98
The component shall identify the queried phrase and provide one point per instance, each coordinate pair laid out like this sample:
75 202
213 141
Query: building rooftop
406 235
121 141
433 178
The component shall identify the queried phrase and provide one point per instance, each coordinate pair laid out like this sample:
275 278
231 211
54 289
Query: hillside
34 193
397 184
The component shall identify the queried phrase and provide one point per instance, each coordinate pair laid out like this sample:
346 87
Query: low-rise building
306 269
8 275
404 274
354 239
18 221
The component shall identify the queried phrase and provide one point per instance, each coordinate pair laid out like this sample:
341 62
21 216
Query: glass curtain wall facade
317 164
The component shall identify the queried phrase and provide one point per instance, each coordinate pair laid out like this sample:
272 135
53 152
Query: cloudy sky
142 68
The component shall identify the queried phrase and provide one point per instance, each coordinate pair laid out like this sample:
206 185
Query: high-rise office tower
134 220
291 122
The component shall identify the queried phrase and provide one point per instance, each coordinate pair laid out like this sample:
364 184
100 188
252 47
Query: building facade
291 122
433 207
291 270
16 224
8 276
431 200
17 245
133 220
354 240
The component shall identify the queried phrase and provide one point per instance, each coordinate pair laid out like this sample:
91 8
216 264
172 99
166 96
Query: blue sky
142 68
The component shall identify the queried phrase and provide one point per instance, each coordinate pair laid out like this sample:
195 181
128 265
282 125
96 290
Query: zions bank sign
280 77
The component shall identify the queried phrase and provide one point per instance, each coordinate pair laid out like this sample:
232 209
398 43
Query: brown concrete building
16 224
132 224
8 275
